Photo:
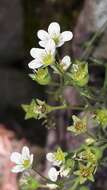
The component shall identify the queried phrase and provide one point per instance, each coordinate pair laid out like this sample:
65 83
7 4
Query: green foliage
30 184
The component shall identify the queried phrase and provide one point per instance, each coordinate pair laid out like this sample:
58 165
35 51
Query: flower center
26 163
85 172
79 126
48 59
56 39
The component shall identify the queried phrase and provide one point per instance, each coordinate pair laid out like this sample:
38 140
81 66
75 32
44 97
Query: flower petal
64 172
50 47
51 185
66 36
50 157
66 59
37 53
53 174
43 35
25 153
43 43
66 62
76 119
60 43
54 29
16 157
18 168
31 159
35 64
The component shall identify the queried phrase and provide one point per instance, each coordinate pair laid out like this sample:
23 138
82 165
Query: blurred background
19 22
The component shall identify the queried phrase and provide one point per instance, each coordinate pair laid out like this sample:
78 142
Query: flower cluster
88 158
50 41
78 166
58 160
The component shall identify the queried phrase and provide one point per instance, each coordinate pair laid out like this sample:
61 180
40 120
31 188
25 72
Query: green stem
43 177
96 62
62 107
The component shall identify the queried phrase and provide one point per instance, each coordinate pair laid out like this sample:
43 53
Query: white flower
54 34
53 174
43 57
51 185
23 161
51 158
65 62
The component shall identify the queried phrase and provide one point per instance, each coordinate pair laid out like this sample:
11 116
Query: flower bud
101 117
79 73
89 141
41 76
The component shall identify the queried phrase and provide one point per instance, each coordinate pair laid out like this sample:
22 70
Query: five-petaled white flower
22 160
65 62
51 158
43 57
54 34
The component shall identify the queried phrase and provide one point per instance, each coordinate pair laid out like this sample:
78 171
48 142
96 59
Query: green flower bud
36 109
41 76
101 117
79 73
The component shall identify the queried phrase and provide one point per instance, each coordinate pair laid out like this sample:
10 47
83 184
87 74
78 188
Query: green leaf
30 110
